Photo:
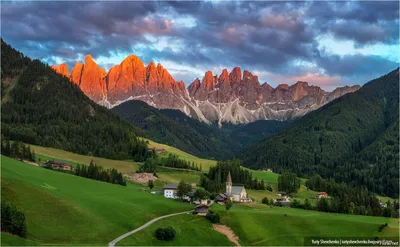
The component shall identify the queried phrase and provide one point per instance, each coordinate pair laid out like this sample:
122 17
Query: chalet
282 194
234 193
284 201
321 195
382 204
201 209
58 165
267 170
160 151
170 191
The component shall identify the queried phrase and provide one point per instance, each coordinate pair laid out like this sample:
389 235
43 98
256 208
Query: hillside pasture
262 225
55 203
45 153
190 230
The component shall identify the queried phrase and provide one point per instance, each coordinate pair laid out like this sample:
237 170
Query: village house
234 193
284 201
170 191
267 170
58 165
160 151
321 195
201 209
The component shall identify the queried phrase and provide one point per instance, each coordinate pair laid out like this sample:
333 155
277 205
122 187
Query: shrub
12 220
166 233
265 201
213 217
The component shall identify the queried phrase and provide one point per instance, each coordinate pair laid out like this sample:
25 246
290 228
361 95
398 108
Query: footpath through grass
65 209
190 230
261 225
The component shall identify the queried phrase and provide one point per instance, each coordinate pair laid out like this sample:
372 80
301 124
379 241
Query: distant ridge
232 97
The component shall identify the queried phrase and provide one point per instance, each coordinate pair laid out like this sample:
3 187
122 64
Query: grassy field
12 240
260 225
190 231
56 203
45 153
206 164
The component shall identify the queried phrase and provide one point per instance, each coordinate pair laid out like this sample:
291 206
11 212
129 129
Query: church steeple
229 184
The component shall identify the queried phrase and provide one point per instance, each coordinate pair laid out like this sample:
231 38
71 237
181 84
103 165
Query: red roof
322 193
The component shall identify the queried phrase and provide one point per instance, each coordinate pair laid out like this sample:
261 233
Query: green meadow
206 164
190 230
65 209
45 153
260 225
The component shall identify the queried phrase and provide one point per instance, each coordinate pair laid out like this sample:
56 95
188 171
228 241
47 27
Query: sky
328 44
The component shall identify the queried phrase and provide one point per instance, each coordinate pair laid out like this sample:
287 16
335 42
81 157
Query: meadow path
112 243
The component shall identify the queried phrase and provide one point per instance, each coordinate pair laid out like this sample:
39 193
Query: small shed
201 209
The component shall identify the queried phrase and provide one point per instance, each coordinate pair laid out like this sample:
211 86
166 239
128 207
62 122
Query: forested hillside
353 139
186 133
39 106
175 128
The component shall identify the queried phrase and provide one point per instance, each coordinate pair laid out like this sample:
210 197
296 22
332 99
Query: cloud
278 39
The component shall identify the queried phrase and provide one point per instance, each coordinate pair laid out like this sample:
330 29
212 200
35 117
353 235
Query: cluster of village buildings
159 151
57 165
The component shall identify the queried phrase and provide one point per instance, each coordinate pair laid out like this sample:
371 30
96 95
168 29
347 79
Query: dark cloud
258 36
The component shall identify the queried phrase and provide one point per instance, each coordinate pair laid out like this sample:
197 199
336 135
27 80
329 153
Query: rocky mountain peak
61 69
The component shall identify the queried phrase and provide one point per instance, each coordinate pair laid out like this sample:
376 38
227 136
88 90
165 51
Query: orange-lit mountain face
233 97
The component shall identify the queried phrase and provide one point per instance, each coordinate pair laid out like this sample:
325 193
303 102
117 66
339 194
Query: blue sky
328 44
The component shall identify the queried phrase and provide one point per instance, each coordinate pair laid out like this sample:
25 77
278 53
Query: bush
265 201
213 217
12 220
166 233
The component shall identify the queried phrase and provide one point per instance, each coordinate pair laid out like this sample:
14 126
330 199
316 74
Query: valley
199 123
87 202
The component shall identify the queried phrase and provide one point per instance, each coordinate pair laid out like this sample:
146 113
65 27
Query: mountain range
232 97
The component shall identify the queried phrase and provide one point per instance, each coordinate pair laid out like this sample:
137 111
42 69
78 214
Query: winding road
112 243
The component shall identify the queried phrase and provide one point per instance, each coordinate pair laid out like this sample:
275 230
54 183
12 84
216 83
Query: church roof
229 179
236 190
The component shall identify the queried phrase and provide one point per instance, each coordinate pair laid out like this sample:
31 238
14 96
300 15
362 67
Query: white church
234 193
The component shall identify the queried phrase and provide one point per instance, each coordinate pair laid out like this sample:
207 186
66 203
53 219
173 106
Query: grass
260 225
190 230
64 209
45 153
205 163
13 240
176 177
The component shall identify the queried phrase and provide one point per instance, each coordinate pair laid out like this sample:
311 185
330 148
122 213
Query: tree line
288 182
17 150
96 172
214 181
349 200
154 161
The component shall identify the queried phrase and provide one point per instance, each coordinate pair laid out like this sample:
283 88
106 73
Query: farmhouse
170 191
284 201
59 165
321 195
234 193
160 151
201 209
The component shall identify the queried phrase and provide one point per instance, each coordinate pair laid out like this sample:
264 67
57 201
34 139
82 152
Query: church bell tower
229 184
